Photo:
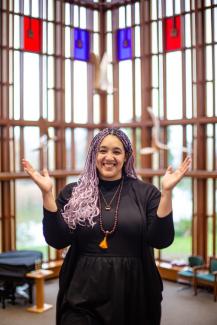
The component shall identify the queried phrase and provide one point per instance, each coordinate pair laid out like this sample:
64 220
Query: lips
109 165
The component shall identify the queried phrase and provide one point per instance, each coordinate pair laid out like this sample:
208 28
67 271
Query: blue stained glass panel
81 44
124 44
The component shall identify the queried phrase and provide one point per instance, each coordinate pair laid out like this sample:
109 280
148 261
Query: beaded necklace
104 243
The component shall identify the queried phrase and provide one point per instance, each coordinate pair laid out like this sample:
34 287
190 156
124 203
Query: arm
160 231
56 232
159 212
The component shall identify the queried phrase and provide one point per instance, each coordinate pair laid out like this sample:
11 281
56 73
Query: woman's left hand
171 178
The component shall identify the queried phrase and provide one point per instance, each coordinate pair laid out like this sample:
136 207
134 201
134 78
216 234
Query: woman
111 222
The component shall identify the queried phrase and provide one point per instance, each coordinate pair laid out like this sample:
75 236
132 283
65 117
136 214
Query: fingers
169 169
27 166
45 172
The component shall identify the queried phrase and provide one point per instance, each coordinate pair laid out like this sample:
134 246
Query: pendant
107 208
103 244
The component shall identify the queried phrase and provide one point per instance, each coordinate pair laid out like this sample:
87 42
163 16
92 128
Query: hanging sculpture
101 80
156 144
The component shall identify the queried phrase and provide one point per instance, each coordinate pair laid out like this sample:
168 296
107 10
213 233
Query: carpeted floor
180 307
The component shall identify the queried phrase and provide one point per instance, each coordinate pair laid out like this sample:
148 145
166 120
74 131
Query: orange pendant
103 244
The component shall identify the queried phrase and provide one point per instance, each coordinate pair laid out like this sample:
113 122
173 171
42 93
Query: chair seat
206 276
186 273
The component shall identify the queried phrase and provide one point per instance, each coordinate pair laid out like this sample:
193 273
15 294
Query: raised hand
43 180
171 178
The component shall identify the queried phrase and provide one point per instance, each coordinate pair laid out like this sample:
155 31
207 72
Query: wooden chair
206 275
187 272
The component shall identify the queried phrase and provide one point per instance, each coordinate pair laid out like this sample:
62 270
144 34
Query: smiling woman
110 158
111 221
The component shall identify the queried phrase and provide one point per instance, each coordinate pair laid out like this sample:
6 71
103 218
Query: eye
117 152
102 151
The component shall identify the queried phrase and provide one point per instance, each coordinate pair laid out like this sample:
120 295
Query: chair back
213 264
195 260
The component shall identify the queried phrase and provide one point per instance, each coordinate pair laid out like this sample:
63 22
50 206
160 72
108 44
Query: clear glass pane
50 68
68 137
215 24
51 149
96 43
125 91
95 21
80 92
187 30
50 39
209 64
209 99
67 13
32 145
128 16
35 8
174 85
154 37
161 87
137 13
182 245
50 9
154 71
17 148
96 108
45 108
83 20
138 99
16 85
109 21
68 95
44 38
188 84
154 9
29 234
31 86
27 8
169 8
50 105
122 18
209 147
109 45
80 136
16 32
110 109
137 42
68 42
208 28
210 236
75 18
175 144
160 37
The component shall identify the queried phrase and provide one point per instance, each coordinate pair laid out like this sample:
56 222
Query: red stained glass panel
172 33
32 34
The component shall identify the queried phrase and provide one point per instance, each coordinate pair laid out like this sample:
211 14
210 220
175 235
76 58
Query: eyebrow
115 148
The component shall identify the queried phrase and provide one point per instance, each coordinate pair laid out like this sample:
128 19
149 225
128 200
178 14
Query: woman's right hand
42 180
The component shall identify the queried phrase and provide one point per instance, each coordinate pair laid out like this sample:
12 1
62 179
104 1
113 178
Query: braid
82 207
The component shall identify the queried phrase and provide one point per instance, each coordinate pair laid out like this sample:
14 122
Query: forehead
112 141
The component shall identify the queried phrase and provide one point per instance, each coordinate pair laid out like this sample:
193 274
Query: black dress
109 286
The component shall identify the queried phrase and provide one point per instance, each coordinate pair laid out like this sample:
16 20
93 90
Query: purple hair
82 207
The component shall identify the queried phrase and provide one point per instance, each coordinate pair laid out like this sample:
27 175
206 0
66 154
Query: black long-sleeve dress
119 285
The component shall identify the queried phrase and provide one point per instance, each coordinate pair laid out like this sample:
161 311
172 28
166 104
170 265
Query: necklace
108 205
104 244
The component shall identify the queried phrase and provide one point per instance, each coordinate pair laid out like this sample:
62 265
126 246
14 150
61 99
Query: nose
109 156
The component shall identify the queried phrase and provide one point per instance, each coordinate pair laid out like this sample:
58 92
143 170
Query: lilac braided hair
82 207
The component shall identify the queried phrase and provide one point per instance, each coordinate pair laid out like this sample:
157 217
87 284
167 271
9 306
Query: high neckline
108 185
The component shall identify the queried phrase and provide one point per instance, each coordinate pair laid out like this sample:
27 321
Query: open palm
42 180
171 178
